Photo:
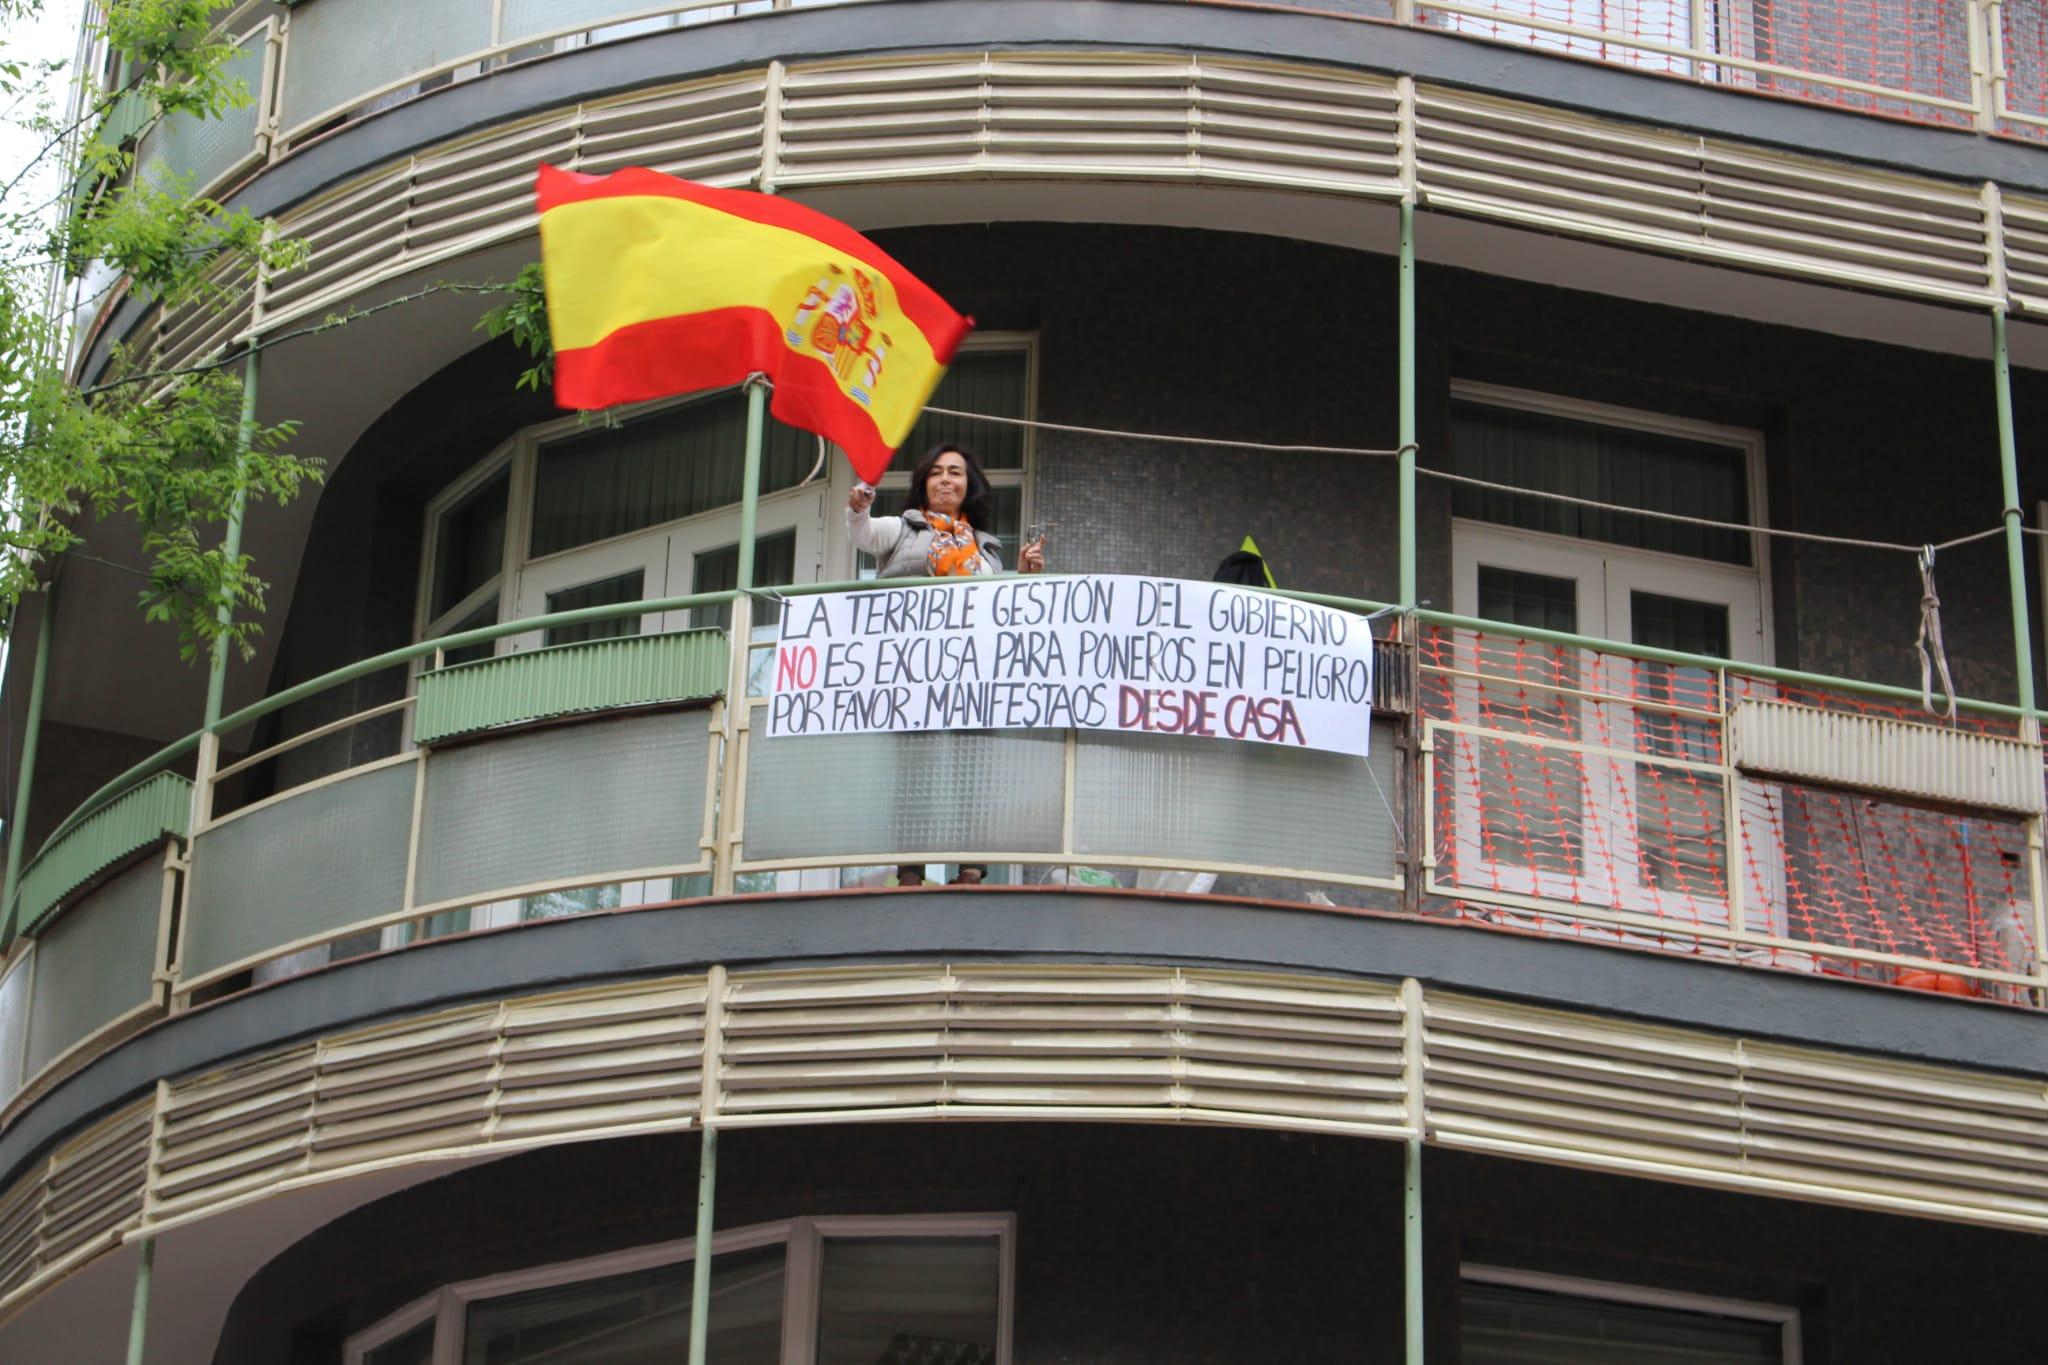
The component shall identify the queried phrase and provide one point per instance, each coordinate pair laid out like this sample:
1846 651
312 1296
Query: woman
940 533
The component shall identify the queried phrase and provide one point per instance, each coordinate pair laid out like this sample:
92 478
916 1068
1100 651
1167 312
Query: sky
50 34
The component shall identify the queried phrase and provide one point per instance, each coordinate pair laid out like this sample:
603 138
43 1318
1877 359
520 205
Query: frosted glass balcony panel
1218 801
94 962
339 50
935 792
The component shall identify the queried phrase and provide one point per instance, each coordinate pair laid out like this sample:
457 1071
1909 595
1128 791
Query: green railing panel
138 818
567 680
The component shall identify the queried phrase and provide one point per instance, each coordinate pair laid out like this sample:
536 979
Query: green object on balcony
135 820
565 680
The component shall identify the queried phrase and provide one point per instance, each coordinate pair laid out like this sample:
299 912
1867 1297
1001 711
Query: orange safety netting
1911 47
1584 792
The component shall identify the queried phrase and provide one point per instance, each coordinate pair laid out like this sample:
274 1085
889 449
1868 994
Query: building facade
1665 984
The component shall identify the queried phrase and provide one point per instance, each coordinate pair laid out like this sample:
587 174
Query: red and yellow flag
658 286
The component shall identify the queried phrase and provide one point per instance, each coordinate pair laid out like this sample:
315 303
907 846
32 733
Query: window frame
1475 543
1748 440
1787 1316
448 1306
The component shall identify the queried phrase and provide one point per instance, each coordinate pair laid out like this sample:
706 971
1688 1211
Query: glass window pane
718 570
659 468
1528 599
908 1299
1607 464
640 1318
1505 1325
978 381
469 546
627 587
486 614
414 1348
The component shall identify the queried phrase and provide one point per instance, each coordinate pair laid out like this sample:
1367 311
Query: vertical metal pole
750 495
2015 542
217 670
138 1315
708 1094
700 1267
1411 1248
17 822
1407 403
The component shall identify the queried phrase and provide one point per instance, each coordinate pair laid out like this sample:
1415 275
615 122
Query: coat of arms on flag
660 286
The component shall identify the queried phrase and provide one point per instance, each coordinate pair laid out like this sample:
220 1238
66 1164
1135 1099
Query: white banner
1156 655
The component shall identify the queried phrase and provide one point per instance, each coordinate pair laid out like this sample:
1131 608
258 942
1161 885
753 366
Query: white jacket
900 544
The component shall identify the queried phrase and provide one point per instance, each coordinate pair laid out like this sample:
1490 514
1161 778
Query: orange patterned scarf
954 552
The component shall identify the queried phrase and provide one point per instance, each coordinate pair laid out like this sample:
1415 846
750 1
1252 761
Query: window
1553 807
812 1291
1516 1317
572 514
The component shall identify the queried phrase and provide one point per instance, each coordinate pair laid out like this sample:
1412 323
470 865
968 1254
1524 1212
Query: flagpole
750 496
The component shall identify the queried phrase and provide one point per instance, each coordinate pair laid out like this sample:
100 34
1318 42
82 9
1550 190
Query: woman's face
945 488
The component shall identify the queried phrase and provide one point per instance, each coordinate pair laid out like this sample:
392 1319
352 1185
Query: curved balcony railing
1518 779
1966 63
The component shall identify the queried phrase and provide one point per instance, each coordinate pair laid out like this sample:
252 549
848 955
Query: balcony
1518 780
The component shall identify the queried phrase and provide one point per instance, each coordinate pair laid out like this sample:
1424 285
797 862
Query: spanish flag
658 286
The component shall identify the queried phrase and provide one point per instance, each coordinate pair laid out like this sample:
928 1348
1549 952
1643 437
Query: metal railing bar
1764 672
284 746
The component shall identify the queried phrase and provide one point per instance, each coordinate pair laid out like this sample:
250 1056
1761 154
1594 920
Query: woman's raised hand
860 499
1031 559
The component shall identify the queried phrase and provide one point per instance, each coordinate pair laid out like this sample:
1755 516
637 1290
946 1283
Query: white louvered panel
1581 1089
1669 191
1975 1142
1918 235
1494 157
226 1132
21 1213
422 1085
76 1203
710 131
2026 251
1057 114
1009 1042
96 1186
1875 753
601 1061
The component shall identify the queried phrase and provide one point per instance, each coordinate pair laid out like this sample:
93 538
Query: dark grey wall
1192 1246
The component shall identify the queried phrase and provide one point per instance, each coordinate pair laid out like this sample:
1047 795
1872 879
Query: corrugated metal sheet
135 820
75 1204
1666 191
467 1082
1137 1043
1875 753
598 675
1123 115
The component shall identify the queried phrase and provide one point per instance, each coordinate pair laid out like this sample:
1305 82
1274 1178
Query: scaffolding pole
17 822
750 488
2015 541
1411 1249
217 666
138 1313
1406 434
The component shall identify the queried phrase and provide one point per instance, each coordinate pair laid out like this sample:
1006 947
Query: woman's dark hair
979 506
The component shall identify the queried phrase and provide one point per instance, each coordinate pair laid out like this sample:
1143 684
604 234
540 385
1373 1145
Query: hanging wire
1780 532
1279 447
1933 654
